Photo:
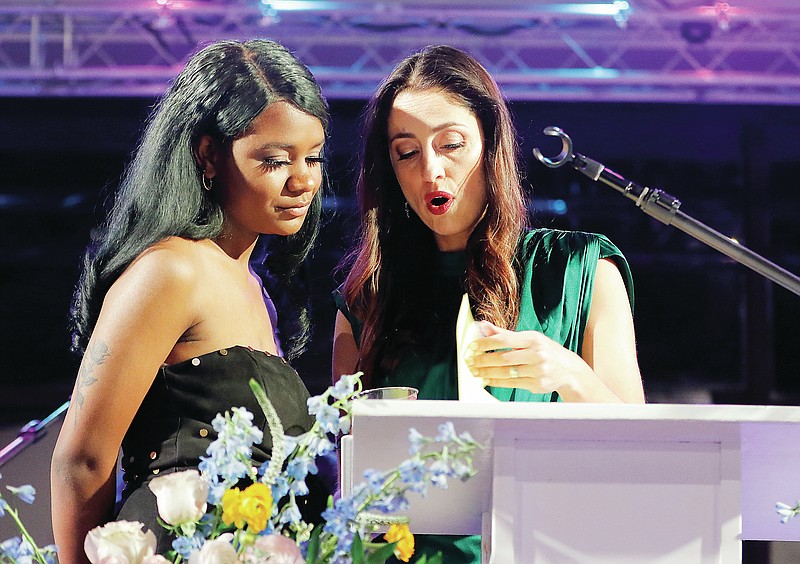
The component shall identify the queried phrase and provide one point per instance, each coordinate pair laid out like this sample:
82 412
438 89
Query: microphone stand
30 433
664 207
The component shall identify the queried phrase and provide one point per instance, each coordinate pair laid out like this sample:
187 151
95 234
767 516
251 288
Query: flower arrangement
230 510
22 548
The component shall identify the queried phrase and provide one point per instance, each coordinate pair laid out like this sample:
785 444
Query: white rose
155 559
217 551
181 496
119 542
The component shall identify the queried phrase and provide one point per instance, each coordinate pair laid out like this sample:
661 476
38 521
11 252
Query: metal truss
743 52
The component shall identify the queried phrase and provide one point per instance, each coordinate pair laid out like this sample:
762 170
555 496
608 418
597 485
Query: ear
205 153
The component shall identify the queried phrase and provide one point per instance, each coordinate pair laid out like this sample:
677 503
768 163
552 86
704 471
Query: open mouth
438 202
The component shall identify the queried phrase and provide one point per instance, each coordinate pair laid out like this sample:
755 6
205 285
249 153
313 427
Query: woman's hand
605 371
526 359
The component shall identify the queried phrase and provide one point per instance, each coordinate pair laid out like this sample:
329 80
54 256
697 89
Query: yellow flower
404 549
232 507
257 506
253 506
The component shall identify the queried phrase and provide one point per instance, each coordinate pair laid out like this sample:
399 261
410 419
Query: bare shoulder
606 269
608 281
171 266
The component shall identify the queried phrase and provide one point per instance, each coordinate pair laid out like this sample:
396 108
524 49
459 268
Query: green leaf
357 550
312 553
382 554
435 559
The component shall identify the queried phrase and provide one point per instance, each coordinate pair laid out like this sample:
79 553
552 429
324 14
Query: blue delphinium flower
439 471
299 468
416 441
412 473
375 480
345 422
299 488
185 545
228 457
280 487
290 442
447 432
460 469
17 549
50 553
316 403
344 387
340 521
328 418
25 493
290 512
390 503
787 512
319 445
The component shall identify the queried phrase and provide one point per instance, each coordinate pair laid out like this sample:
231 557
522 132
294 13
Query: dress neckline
452 263
195 359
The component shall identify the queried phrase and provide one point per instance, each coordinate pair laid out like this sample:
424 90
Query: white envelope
470 388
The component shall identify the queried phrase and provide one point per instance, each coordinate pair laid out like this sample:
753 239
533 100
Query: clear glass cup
389 393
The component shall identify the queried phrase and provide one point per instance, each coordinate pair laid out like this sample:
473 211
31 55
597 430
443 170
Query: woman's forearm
82 497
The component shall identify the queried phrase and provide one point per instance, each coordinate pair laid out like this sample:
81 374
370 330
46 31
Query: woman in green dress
443 214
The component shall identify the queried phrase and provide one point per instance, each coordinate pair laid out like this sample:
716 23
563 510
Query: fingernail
470 360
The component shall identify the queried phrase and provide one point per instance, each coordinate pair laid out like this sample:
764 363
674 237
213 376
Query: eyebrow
284 146
436 129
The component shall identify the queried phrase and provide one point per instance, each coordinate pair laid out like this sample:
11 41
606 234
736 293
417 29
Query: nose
432 169
302 180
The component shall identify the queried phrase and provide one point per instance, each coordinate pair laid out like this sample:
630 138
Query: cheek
317 175
477 183
475 160
404 177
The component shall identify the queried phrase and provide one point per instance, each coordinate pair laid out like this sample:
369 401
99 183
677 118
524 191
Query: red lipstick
438 202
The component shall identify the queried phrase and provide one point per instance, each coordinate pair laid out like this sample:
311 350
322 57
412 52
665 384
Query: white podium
577 483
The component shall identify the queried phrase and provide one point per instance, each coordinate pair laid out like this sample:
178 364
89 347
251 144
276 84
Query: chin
286 230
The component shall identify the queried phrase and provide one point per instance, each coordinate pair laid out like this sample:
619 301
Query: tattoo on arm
96 354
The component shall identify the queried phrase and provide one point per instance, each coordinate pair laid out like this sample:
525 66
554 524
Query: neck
239 249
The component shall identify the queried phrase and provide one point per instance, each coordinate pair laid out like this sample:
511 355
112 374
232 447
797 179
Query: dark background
708 329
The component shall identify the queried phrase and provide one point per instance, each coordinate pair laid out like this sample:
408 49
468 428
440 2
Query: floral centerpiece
231 510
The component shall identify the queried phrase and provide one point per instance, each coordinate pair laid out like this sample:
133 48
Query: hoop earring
208 183
408 213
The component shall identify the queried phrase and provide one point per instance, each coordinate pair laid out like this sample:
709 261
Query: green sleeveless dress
557 282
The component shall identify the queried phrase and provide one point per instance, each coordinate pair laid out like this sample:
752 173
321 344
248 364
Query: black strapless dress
172 428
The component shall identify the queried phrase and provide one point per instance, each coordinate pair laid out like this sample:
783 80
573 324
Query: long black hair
219 93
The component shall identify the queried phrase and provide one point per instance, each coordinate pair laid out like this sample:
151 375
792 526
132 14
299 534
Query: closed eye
315 160
275 163
407 155
452 146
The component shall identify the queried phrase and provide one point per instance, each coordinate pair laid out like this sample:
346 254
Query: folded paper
470 388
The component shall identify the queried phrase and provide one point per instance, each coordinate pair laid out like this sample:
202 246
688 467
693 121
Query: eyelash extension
275 163
454 145
449 147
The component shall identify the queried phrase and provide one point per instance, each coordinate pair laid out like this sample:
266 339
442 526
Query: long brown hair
381 287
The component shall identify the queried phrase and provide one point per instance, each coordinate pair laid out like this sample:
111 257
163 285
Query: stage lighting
696 32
